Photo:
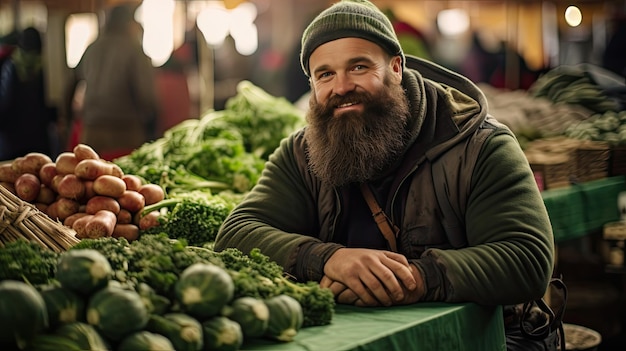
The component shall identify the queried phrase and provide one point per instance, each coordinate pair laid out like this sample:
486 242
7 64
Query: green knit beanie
349 18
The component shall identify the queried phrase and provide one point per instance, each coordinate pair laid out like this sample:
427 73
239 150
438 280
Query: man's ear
396 66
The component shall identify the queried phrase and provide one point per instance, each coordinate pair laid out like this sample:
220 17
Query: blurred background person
613 56
119 109
26 120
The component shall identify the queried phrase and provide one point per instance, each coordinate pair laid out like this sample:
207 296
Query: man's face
358 111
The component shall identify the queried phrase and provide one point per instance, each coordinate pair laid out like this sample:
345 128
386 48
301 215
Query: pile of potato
84 192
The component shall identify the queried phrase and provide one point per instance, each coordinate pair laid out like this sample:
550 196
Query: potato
65 207
7 173
124 216
16 165
128 231
47 173
66 163
132 201
109 185
71 187
41 207
46 195
27 187
89 193
92 169
132 181
101 225
152 193
80 225
54 184
149 220
70 220
116 170
85 152
100 202
52 211
32 162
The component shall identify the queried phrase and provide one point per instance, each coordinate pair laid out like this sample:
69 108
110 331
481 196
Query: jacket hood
454 105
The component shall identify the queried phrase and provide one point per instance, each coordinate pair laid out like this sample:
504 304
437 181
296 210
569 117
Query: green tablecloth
582 208
419 327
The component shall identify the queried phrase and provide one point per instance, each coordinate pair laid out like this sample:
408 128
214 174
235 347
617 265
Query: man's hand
368 277
344 295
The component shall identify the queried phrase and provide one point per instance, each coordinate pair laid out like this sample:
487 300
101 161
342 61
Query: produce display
609 127
139 232
84 307
573 85
92 196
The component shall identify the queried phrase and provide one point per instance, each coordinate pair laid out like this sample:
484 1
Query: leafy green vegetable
221 150
262 119
195 216
255 275
27 261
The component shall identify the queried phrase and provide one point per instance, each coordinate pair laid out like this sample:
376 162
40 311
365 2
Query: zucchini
63 305
203 289
145 341
222 334
52 342
184 331
23 313
83 271
117 312
85 336
155 303
286 317
251 313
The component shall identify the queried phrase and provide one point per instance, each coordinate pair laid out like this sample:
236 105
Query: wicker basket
552 170
618 161
22 220
592 161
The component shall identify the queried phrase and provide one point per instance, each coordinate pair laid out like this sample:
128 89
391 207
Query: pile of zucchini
87 309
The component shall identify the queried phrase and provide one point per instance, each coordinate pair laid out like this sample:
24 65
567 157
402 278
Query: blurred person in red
119 109
173 91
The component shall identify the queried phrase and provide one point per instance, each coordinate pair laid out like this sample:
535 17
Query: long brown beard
356 147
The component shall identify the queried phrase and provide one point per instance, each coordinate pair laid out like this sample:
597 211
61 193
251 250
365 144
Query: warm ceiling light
573 16
453 22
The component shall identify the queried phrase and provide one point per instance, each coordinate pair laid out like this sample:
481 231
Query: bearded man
380 126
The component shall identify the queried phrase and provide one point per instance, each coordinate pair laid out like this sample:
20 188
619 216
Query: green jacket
502 253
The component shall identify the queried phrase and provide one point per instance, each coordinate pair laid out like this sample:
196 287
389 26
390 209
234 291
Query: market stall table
417 327
580 209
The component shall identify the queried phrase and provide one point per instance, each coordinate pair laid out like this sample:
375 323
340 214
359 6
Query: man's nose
343 84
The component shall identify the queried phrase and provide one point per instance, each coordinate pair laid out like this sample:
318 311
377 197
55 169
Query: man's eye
324 75
358 67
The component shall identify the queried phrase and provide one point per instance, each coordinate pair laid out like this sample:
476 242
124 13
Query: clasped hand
368 277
